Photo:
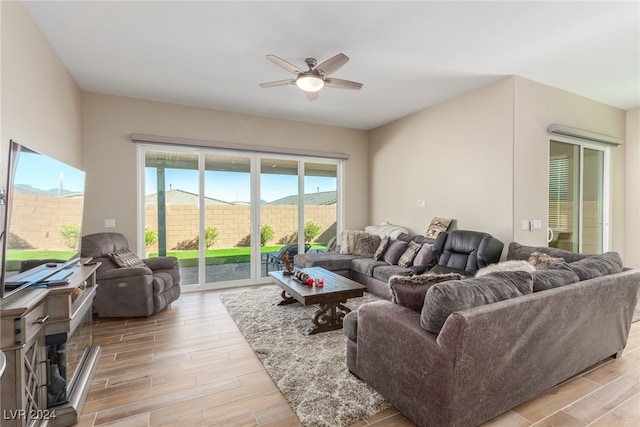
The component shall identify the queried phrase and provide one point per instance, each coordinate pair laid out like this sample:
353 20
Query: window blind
559 193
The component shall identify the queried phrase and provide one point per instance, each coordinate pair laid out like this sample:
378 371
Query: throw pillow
554 278
366 245
597 265
542 261
506 266
409 291
406 259
348 241
445 298
394 252
127 258
384 244
425 256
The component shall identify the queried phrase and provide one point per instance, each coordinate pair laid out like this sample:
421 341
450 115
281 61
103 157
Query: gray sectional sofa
480 346
460 251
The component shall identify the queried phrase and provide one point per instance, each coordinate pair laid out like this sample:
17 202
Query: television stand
48 325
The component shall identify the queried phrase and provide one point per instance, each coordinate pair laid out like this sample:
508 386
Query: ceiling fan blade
332 64
312 96
284 64
278 83
342 84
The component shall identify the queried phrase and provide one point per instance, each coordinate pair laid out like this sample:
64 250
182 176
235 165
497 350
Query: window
578 196
223 212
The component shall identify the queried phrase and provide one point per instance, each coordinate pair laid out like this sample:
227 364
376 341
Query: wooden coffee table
330 298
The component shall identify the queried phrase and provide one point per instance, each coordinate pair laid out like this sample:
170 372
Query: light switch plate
526 225
536 224
109 223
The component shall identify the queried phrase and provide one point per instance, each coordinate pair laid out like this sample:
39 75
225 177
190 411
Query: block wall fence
232 222
38 220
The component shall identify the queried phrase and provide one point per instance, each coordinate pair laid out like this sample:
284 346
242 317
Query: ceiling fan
314 79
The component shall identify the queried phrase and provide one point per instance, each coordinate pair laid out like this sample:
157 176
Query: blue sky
235 186
46 173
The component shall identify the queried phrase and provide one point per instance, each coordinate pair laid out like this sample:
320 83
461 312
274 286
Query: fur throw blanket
514 265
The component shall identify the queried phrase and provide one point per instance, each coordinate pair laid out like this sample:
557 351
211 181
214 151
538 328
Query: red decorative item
320 282
310 281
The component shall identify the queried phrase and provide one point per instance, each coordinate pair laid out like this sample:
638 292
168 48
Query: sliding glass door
578 177
229 216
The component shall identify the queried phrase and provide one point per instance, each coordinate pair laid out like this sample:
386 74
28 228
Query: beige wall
482 159
456 156
537 106
632 190
42 104
110 156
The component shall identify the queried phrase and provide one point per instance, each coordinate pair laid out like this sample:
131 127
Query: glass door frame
255 213
606 186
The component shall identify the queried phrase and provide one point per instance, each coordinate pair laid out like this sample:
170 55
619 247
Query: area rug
310 371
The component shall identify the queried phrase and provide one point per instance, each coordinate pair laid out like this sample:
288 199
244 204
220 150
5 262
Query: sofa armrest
162 263
404 362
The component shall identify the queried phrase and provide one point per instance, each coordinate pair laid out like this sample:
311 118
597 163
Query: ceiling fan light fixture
309 82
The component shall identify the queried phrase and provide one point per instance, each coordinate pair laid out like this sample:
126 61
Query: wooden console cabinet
29 319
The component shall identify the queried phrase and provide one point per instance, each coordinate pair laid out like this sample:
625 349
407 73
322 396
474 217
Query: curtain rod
186 142
583 134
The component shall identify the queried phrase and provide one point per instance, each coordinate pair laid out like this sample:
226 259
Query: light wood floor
190 366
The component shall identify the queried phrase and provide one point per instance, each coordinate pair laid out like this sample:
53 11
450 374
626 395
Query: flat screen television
43 218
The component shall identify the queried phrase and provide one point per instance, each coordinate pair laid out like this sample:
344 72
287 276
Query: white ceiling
408 55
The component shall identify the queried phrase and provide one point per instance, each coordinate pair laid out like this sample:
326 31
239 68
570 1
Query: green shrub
210 236
266 234
70 234
150 237
311 231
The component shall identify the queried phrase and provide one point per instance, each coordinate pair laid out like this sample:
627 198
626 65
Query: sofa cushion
425 256
366 245
394 251
445 298
331 261
409 291
126 258
514 265
382 248
384 272
406 259
553 278
597 265
365 265
541 260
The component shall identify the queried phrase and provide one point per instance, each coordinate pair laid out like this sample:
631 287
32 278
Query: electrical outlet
421 203
536 224
109 223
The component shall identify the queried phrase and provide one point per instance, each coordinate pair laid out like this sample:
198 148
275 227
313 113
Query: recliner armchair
466 251
130 291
